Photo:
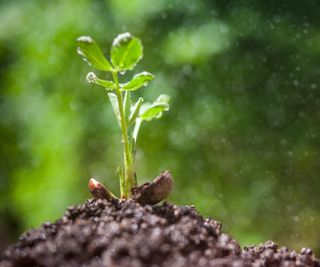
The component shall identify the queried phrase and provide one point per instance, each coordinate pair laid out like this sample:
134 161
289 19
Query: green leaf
127 103
135 111
91 52
126 51
135 133
114 102
92 78
138 80
150 111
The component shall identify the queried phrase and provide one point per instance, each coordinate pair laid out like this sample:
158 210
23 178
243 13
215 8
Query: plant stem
128 181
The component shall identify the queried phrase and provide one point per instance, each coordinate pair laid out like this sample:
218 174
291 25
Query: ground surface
102 233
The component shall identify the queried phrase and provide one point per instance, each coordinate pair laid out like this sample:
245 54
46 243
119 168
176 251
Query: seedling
126 52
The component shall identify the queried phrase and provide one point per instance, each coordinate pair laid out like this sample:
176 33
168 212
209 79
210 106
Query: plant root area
124 233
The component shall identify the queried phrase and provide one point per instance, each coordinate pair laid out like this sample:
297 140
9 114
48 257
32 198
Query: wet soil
124 233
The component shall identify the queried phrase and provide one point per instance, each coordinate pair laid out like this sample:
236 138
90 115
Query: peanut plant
126 52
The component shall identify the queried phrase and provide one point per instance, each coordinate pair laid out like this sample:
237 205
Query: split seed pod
153 193
99 191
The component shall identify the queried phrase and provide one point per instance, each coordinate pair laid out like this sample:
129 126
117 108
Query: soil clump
125 233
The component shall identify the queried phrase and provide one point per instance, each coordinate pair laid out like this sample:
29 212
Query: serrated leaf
127 103
138 80
150 111
92 78
135 111
91 52
114 103
126 51
154 111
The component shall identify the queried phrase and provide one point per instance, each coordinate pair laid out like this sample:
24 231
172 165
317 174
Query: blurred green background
242 138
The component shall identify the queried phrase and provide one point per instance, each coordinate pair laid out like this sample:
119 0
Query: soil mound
124 233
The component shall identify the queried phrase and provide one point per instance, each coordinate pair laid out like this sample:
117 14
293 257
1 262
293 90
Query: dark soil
102 233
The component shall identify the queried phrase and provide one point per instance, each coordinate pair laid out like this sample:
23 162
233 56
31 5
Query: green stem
128 181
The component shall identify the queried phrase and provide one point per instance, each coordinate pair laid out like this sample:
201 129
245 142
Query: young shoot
126 52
